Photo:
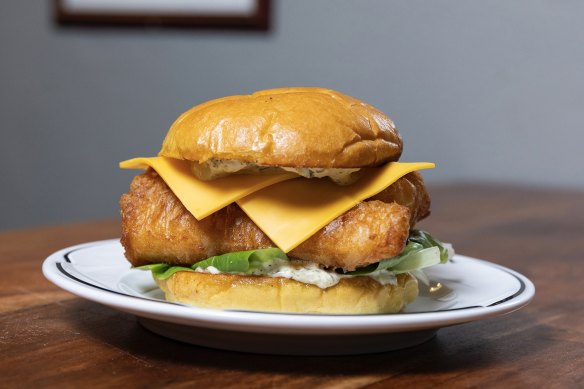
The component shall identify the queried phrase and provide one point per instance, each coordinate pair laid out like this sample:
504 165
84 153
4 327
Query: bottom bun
357 295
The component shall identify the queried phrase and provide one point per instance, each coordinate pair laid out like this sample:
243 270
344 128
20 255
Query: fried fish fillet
157 228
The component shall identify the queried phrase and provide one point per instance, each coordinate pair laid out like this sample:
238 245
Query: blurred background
491 91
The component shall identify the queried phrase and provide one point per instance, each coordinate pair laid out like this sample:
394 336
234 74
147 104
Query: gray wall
489 90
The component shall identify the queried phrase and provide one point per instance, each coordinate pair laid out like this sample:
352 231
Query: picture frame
215 14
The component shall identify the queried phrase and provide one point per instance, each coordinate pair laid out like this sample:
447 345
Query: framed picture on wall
232 14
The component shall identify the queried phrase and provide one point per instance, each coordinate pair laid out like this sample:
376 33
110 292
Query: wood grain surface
50 338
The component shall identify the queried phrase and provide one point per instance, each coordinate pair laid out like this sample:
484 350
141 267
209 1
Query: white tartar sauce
308 273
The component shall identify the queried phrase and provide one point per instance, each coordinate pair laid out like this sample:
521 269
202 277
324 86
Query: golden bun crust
291 127
358 295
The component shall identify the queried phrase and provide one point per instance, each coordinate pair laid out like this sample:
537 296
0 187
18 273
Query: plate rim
279 323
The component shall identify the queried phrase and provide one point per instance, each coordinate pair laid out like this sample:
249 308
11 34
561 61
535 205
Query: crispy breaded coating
367 233
409 191
157 228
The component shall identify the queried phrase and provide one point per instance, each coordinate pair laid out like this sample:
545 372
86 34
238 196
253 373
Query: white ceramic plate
471 289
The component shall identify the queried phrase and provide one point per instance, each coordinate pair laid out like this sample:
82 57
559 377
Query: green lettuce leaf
163 271
236 262
242 261
422 250
427 241
418 260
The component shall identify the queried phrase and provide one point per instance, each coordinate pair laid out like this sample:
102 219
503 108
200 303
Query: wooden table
49 337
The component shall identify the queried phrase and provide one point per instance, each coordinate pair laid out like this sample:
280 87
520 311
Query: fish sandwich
285 200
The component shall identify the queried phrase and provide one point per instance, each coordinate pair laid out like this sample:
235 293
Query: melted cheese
202 198
292 211
288 209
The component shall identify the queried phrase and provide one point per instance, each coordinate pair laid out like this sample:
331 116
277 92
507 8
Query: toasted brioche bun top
291 127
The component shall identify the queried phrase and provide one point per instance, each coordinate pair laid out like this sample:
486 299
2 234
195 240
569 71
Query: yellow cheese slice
291 211
202 198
